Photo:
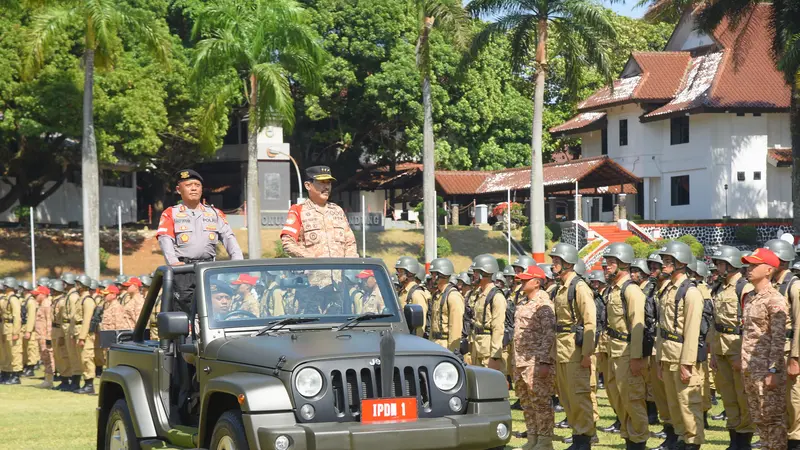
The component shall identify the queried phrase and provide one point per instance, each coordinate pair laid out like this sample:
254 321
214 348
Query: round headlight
308 382
502 431
307 412
282 443
445 376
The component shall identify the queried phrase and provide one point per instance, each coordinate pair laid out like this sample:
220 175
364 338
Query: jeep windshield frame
297 281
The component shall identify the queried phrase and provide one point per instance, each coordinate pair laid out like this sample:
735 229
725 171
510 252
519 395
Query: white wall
65 205
778 133
779 191
591 144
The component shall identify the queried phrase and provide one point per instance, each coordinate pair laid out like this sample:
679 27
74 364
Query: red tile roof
663 72
580 123
781 156
461 182
623 93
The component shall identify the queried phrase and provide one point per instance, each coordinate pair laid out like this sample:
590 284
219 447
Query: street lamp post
655 208
726 202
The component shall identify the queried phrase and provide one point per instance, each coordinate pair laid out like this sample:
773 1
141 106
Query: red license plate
383 410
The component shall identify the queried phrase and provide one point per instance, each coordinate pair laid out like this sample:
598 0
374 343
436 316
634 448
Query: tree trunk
794 130
253 203
90 186
428 157
537 174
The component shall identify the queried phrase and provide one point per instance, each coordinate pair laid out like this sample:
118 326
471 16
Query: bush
518 217
555 230
443 248
104 256
698 250
279 251
633 240
643 250
688 239
548 235
636 217
589 248
440 211
502 263
747 234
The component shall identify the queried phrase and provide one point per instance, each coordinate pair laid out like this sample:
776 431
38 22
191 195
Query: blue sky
626 8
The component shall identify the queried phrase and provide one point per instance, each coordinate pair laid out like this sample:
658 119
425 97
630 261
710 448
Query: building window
756 114
623 132
757 176
740 176
680 190
608 203
117 179
604 141
679 130
739 114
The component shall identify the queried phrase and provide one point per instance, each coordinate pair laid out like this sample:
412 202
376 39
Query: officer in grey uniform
189 232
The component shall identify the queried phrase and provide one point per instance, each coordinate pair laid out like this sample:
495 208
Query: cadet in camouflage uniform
447 307
245 298
372 300
135 303
514 297
489 316
789 287
627 365
726 343
84 339
411 292
763 343
113 311
575 345
677 350
534 371
58 332
30 341
12 332
43 327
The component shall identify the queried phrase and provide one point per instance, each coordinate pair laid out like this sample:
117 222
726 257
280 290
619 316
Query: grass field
31 418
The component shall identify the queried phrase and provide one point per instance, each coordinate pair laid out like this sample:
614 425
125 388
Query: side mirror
172 325
414 316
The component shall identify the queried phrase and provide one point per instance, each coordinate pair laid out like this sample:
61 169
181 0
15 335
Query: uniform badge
208 214
181 215
211 227
291 220
183 228
185 238
212 236
185 174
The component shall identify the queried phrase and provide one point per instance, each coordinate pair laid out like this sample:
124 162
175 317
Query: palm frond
150 31
211 114
216 53
524 38
274 96
588 15
498 28
493 8
713 13
452 17
45 28
789 61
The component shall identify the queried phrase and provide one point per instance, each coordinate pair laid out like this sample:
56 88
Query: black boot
582 442
670 441
734 440
601 382
743 441
637 445
705 420
98 372
614 428
721 416
64 386
652 413
3 377
516 406
75 383
521 435
88 387
28 371
14 378
679 445
692 446
571 441
714 398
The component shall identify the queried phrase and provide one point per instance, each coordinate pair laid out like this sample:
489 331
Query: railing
597 253
640 232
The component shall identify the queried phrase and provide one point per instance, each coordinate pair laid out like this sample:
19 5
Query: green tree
584 32
264 43
101 24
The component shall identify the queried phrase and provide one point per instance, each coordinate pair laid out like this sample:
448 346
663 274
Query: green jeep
279 354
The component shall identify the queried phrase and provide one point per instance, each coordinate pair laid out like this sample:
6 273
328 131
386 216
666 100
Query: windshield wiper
361 318
286 321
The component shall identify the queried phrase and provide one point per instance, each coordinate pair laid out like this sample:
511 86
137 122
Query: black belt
194 260
671 336
440 336
65 321
725 329
78 322
153 324
565 328
789 334
483 333
618 335
56 325
8 320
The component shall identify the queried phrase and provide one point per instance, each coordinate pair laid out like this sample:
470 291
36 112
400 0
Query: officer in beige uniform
411 292
576 322
726 343
447 307
74 295
490 313
677 350
12 332
84 339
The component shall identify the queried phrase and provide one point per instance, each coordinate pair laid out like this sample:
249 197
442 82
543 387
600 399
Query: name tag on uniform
208 214
181 215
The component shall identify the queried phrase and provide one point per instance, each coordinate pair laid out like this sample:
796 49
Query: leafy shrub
643 250
636 217
589 248
104 256
279 251
633 240
698 250
440 211
443 248
688 239
747 234
549 237
502 263
518 217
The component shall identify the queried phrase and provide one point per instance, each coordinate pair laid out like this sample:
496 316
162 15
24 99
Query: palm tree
450 15
100 23
264 42
785 29
583 31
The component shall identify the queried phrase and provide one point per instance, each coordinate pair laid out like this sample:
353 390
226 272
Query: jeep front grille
350 387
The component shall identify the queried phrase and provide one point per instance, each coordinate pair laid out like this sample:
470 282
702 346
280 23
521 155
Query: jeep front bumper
478 429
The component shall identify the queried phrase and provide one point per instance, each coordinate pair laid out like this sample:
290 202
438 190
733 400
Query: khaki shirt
764 337
42 323
356 299
689 313
73 297
60 317
12 316
372 302
447 318
419 299
793 319
29 304
272 301
585 313
79 324
628 320
491 318
534 330
727 307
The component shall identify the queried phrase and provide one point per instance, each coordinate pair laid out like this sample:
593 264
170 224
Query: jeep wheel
119 428
229 432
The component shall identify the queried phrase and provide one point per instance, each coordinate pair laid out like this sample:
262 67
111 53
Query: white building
704 123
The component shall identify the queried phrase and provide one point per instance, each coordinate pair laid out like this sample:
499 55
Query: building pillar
622 210
647 201
551 209
579 207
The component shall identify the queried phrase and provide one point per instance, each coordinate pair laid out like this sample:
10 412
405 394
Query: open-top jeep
307 368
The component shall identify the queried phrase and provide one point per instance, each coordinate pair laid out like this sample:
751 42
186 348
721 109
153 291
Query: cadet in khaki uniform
410 291
4 376
272 300
372 299
30 341
58 333
534 370
789 287
12 332
447 307
679 325
74 296
245 298
490 314
698 271
640 274
726 343
763 343
576 323
627 364
43 326
84 339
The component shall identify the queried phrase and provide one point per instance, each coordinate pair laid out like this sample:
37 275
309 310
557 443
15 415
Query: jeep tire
229 432
119 428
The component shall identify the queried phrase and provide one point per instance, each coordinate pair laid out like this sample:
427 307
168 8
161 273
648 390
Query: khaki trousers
30 350
575 386
627 395
685 402
730 385
659 392
87 357
60 355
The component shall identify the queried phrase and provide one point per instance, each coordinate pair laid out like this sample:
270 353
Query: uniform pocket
312 237
184 238
582 379
636 388
338 234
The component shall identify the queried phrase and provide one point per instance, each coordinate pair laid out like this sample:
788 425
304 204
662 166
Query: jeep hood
300 347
